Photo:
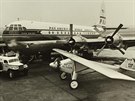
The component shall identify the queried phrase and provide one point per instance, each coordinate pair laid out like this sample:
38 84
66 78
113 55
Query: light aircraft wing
102 68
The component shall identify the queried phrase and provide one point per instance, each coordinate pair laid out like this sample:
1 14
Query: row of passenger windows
68 33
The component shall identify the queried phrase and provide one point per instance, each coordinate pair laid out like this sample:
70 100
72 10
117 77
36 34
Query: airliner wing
2 44
102 68
99 42
102 40
128 38
81 39
44 42
38 43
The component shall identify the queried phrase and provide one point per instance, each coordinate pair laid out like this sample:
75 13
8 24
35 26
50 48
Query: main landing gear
73 83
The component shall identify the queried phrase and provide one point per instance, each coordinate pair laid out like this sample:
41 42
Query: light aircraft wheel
63 76
74 84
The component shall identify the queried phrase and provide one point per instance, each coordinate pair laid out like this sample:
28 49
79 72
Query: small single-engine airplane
75 65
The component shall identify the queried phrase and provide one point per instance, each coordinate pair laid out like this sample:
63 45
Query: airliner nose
1 38
1 33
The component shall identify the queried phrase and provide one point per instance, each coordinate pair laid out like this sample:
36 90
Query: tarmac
43 84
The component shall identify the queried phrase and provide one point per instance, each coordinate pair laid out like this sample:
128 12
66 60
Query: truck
12 66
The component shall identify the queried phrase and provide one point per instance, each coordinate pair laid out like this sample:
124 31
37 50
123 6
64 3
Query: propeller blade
101 49
71 41
119 49
119 27
71 30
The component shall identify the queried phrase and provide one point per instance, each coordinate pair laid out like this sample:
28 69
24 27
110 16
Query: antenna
18 19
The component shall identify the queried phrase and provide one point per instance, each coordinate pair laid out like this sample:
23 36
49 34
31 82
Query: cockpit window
15 25
10 28
15 28
20 28
24 28
7 28
5 61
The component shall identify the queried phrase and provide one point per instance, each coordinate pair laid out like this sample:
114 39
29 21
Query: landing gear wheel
74 84
11 74
63 76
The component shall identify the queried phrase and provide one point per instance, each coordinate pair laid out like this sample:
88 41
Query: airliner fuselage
32 30
27 32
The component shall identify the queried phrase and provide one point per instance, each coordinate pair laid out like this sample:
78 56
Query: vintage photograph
67 50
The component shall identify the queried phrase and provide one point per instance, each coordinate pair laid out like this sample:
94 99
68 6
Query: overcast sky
82 12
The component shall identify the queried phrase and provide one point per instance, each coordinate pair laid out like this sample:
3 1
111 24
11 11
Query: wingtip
129 79
132 79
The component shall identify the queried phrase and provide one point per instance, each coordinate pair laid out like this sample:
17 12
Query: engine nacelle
79 39
116 40
76 40
65 65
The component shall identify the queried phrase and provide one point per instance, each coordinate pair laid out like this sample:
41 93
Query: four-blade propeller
109 40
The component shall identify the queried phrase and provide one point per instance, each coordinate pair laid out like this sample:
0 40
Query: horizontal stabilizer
102 68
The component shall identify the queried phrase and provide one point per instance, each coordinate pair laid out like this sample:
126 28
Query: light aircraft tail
128 64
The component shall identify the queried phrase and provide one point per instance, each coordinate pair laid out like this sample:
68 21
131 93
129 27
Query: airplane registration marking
68 65
130 64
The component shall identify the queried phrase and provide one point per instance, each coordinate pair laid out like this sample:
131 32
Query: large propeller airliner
33 38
